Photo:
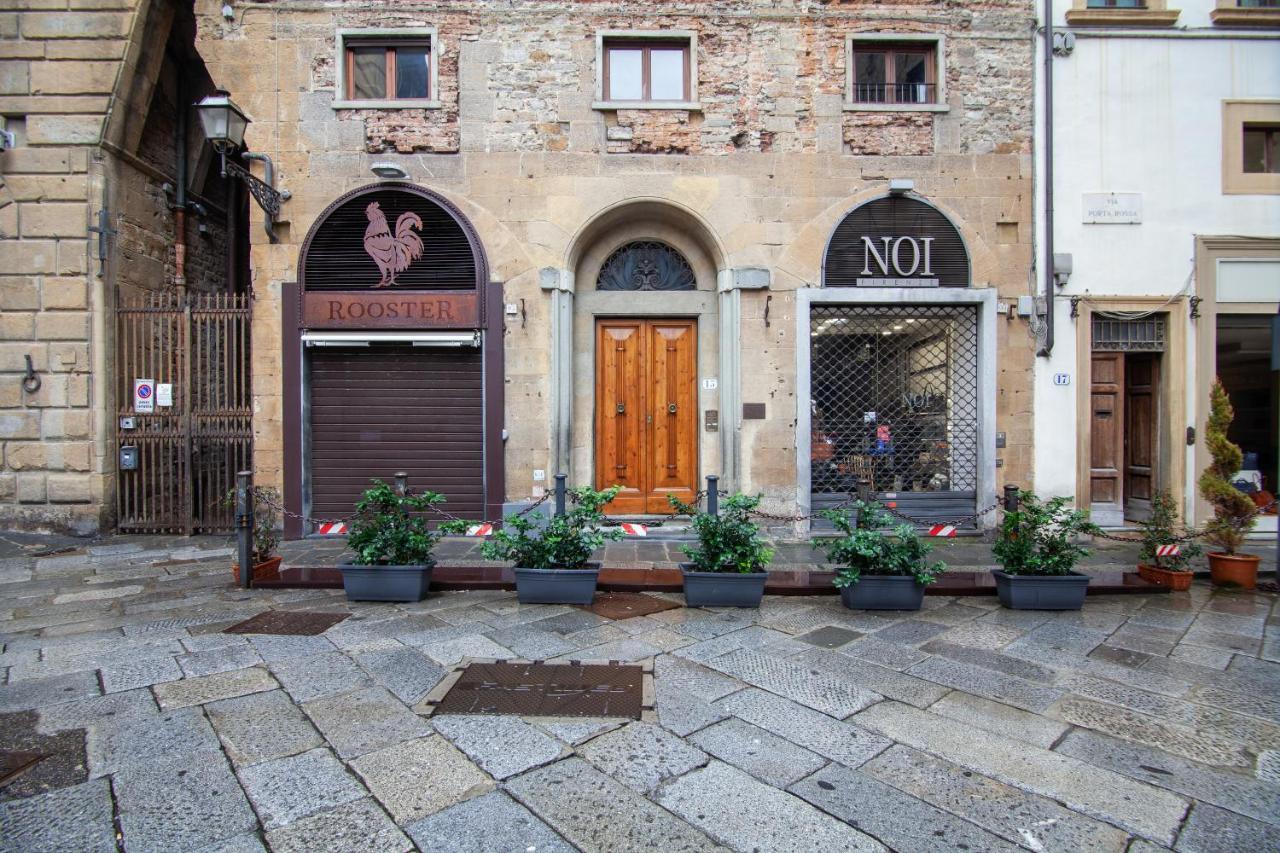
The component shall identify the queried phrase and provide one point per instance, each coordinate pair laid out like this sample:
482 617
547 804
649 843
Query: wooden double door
646 424
1125 416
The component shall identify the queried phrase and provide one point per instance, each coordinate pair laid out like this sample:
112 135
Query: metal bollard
1010 498
864 490
713 494
244 527
402 483
561 479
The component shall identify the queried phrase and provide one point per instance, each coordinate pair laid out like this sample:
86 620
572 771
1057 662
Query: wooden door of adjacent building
1141 392
1106 404
646 412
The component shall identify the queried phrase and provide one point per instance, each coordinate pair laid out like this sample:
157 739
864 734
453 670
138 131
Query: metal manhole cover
296 623
14 764
626 605
547 690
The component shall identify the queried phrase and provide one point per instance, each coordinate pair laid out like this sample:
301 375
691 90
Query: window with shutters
895 72
386 69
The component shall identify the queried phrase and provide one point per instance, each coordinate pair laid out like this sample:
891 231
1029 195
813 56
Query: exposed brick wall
888 134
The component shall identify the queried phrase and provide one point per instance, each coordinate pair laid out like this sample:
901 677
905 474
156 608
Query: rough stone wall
768 166
58 68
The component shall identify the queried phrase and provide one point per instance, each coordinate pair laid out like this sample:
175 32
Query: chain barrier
1192 534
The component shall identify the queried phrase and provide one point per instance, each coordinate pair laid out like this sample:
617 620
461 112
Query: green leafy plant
266 521
1159 530
1039 537
863 548
389 529
729 541
1233 511
564 542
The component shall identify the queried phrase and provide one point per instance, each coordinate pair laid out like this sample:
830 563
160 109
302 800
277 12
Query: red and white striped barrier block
332 528
1168 550
634 529
942 530
480 530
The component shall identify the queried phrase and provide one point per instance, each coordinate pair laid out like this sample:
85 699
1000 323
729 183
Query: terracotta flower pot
1176 581
1234 570
266 570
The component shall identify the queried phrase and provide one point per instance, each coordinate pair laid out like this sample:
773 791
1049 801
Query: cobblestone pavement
1142 723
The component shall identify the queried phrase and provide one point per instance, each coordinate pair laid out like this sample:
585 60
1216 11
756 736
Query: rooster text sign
389 310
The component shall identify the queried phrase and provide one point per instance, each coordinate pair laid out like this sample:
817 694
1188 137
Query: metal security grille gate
184 455
895 400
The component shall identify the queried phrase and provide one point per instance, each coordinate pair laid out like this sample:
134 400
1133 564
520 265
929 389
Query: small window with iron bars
899 73
1122 334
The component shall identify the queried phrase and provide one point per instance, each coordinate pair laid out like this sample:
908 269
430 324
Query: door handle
671 408
622 408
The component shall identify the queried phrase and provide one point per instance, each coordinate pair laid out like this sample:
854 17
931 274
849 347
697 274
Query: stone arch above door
649 221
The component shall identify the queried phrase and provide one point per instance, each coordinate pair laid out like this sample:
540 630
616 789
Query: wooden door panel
1140 431
673 421
1106 425
620 412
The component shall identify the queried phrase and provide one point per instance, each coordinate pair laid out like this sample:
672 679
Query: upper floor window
895 72
1262 148
646 69
1116 4
386 68
1246 13
1122 13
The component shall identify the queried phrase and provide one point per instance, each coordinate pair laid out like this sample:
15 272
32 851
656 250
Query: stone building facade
522 154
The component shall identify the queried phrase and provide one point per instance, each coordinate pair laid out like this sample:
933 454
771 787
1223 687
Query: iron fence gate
187 452
894 400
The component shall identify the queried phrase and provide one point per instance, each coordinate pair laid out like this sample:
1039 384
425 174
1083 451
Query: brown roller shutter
385 408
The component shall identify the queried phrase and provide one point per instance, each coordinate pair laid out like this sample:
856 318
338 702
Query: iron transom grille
646 265
1117 334
895 400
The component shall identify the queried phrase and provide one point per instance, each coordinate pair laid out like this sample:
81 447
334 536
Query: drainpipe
180 192
1046 347
269 178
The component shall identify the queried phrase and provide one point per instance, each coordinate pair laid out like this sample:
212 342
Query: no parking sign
144 396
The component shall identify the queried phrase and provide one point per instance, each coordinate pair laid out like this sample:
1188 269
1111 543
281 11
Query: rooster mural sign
392 253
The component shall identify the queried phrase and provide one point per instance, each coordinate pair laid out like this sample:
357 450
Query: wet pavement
1140 723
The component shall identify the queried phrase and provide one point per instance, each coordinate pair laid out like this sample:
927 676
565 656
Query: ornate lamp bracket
1195 306
263 192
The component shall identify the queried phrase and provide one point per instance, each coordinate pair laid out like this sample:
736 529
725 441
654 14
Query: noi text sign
392 310
897 262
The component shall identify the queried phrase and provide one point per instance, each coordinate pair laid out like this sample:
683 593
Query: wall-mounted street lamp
389 171
224 124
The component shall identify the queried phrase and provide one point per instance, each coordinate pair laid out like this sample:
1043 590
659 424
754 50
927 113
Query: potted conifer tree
727 568
875 571
1155 563
1233 511
392 542
1037 549
552 558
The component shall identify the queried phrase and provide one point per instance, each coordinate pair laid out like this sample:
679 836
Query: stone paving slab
642 756
502 746
898 820
358 825
1202 746
1032 821
492 822
1148 811
77 818
311 678
364 720
1213 830
287 789
987 683
1229 790
880 679
593 812
262 727
1000 720
839 741
42 692
769 758
211 688
117 743
96 710
809 687
412 780
715 797
215 660
407 673
174 804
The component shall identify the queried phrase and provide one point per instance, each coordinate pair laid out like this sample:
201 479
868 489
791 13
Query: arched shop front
392 357
900 369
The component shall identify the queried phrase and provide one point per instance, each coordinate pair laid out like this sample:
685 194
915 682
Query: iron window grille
894 400
646 265
1119 334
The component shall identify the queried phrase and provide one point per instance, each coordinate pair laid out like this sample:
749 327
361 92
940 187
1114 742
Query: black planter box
883 592
386 583
557 586
1041 592
722 589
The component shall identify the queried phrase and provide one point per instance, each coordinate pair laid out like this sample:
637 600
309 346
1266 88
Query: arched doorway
646 356
392 360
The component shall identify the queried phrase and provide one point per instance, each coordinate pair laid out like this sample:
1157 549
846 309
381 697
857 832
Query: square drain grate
626 605
297 623
547 690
